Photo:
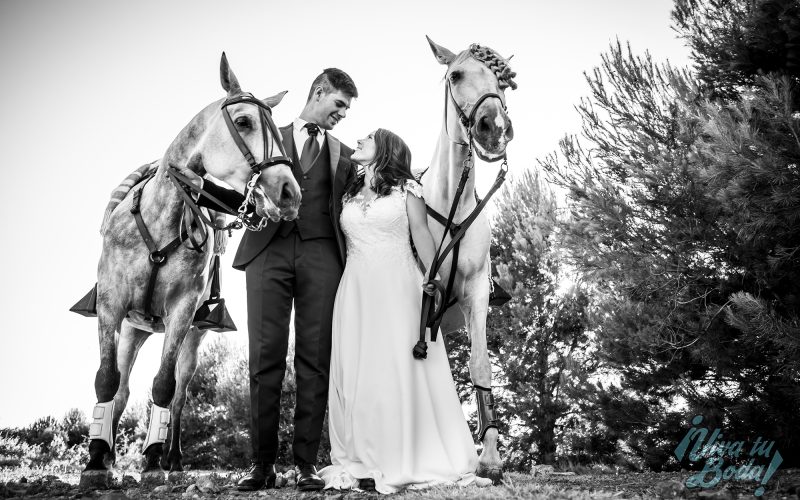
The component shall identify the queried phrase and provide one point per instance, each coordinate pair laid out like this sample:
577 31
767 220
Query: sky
92 89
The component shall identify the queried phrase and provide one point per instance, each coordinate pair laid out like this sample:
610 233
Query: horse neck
168 204
442 178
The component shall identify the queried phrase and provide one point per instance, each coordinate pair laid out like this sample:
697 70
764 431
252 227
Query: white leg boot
157 428
101 426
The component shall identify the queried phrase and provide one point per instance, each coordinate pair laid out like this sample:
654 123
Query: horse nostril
509 131
484 127
287 192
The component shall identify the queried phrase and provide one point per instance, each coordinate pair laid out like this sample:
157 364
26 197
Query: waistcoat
313 219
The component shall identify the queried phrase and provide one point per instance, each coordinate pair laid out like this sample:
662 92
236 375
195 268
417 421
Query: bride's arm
420 233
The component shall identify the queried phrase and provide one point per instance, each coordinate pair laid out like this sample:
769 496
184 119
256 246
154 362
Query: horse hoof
493 473
95 480
152 478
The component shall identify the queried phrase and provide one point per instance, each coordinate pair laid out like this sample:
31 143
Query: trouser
307 272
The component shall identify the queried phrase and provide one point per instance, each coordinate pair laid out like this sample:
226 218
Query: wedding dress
392 418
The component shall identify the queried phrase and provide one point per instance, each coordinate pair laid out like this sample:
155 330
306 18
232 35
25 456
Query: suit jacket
342 172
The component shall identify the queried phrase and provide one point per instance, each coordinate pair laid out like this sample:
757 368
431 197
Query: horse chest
473 248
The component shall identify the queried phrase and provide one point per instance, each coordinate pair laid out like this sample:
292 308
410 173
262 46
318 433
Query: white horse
474 118
155 278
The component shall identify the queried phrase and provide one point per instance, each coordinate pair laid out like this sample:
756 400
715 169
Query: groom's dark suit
302 261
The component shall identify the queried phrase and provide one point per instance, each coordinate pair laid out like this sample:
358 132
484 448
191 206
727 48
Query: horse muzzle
492 131
278 195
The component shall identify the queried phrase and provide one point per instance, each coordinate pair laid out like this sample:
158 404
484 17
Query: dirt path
200 485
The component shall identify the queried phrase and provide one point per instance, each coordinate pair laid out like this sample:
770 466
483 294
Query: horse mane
495 62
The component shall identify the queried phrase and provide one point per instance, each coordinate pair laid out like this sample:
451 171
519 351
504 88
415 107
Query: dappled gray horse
233 140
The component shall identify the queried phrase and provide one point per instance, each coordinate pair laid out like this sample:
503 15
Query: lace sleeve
414 188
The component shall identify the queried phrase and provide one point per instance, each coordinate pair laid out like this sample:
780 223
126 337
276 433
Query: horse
474 118
141 289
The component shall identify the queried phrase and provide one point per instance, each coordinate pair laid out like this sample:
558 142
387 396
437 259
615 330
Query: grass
515 485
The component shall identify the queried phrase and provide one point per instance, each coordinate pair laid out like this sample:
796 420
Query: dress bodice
378 228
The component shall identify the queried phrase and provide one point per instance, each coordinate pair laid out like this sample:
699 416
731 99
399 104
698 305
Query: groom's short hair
334 79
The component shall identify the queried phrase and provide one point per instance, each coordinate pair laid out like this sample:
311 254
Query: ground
38 483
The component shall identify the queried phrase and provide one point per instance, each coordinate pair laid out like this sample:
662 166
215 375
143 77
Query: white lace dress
392 418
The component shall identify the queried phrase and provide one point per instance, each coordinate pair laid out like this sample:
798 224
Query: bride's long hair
392 164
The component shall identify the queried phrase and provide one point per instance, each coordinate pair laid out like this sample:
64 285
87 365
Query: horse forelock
490 58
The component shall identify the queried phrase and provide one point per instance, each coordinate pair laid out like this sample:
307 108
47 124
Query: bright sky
93 89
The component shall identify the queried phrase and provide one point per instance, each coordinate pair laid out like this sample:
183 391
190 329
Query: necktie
310 148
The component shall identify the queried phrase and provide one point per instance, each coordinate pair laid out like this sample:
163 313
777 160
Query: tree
216 419
75 426
538 342
734 41
684 209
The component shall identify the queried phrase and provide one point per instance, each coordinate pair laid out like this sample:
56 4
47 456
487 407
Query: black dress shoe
366 484
307 478
260 476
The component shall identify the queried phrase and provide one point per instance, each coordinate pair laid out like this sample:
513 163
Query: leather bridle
468 120
267 127
193 218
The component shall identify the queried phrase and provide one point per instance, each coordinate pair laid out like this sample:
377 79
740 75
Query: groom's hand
195 179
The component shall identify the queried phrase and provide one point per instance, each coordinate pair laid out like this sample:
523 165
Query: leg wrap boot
157 429
101 426
487 417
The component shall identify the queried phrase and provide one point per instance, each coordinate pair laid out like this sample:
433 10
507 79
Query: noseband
267 124
467 121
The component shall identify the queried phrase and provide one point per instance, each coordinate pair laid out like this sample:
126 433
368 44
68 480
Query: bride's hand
430 289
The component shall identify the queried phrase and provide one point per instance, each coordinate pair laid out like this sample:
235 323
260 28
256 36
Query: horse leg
184 371
176 326
480 370
129 342
106 383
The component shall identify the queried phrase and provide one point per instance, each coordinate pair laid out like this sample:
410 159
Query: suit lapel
288 139
333 150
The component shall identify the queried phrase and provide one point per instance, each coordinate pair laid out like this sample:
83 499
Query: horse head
236 141
475 81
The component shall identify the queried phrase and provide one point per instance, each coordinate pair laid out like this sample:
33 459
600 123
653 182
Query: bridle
468 120
267 124
194 218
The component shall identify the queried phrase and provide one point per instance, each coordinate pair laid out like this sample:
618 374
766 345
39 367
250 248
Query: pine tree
538 341
683 195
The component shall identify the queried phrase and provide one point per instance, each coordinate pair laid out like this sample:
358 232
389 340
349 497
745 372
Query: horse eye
242 122
455 76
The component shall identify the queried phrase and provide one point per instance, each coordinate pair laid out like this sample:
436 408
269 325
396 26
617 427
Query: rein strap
432 316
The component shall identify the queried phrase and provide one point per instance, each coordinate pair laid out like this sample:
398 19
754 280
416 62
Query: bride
395 422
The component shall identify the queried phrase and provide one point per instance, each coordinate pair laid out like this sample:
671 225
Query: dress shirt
300 134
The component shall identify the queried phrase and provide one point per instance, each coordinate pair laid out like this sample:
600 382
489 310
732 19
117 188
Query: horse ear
274 100
227 78
443 55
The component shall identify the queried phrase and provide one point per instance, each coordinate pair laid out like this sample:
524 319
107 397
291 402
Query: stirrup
101 427
487 417
157 428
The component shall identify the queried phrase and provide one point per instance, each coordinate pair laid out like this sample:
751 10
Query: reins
431 316
194 219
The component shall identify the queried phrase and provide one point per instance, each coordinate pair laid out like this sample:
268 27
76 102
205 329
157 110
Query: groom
298 262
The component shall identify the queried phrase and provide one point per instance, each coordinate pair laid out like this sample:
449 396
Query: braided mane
495 62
